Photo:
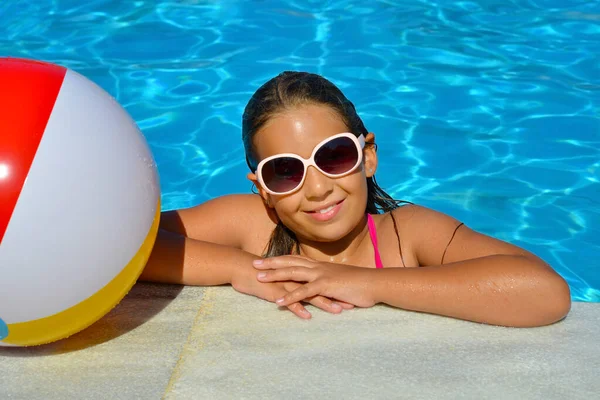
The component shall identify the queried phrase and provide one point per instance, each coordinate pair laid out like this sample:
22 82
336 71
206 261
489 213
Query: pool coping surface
173 342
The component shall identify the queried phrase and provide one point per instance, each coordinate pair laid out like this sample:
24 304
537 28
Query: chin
329 233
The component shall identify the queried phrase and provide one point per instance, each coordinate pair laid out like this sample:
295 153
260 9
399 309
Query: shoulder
426 231
436 238
417 216
237 220
235 203
234 206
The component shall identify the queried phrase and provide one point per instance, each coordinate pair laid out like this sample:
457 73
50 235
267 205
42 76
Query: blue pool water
486 110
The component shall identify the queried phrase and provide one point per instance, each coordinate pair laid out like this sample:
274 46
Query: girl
322 231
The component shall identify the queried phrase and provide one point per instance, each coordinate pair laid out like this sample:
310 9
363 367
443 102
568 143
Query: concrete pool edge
173 342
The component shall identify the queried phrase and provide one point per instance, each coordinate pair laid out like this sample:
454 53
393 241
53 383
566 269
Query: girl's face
323 209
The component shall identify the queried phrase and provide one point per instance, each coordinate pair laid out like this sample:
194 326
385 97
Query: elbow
555 302
561 295
549 296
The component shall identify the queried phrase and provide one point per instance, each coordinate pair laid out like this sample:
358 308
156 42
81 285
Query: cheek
355 184
287 212
356 188
287 206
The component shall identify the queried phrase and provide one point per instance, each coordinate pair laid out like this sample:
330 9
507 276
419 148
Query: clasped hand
344 283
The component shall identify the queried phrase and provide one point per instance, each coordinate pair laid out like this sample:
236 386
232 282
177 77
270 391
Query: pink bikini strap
373 234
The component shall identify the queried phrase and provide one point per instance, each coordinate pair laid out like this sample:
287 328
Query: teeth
323 211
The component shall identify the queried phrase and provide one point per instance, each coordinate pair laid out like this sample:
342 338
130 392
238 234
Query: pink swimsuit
373 234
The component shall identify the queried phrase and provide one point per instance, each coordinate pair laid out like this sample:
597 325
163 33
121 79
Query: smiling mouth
325 210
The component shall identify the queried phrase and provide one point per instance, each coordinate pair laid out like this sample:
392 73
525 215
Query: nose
316 185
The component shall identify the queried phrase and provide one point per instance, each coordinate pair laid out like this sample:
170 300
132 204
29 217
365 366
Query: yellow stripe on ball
84 314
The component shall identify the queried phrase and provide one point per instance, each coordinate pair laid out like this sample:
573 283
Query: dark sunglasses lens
337 156
282 174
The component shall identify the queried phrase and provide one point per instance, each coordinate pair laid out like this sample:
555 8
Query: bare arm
499 289
178 259
482 279
204 246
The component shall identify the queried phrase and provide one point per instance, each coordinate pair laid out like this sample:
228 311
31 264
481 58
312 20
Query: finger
297 308
326 304
281 262
296 274
290 286
303 292
344 305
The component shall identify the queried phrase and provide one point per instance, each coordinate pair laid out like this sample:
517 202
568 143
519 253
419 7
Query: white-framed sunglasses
336 156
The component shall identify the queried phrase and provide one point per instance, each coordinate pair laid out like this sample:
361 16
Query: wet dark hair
287 91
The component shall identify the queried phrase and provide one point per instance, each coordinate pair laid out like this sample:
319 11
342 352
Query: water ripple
488 110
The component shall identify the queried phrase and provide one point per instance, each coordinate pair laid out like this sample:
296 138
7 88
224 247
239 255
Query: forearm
500 290
181 260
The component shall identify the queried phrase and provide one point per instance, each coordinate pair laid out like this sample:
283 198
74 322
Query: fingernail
279 301
336 306
257 262
261 275
304 312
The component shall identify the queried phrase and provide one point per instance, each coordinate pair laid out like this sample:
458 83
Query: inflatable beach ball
79 202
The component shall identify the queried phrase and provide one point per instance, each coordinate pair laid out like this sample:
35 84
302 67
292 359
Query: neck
342 251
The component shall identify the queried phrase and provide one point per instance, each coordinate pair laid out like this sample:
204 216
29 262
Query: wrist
386 286
240 274
376 285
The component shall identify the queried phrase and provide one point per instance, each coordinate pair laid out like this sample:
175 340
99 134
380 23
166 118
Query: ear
265 196
370 155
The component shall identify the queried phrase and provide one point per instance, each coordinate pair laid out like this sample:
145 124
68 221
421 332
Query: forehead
297 131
